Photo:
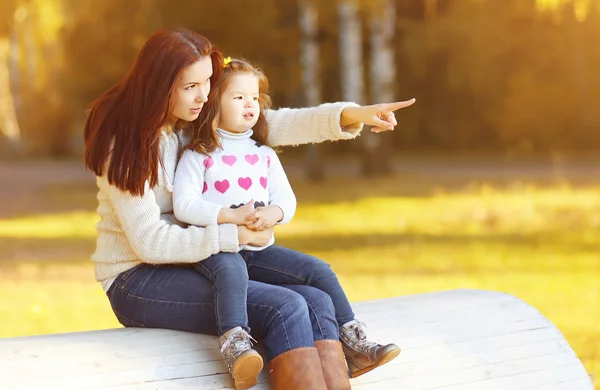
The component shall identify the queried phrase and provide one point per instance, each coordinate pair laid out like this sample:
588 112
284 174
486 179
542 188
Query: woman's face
191 90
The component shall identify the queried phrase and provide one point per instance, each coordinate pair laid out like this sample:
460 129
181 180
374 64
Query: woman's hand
380 116
254 238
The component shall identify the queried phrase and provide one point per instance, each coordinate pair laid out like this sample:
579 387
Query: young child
229 174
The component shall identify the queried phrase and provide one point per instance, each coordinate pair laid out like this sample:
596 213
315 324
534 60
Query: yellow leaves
49 18
581 8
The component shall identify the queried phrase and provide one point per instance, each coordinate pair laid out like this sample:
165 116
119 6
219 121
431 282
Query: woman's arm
329 121
295 126
158 242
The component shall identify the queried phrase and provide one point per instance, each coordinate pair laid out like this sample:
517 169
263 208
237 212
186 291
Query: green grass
540 243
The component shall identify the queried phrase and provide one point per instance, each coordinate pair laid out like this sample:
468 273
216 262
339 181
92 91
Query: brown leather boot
333 364
297 369
363 355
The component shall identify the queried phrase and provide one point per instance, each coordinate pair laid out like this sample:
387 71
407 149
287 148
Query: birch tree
382 82
8 117
309 52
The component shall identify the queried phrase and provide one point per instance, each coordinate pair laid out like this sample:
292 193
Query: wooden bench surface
451 340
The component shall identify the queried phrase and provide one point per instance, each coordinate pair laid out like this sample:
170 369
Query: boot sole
385 359
246 370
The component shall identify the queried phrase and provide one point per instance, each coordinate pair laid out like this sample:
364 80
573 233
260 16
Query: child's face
191 90
239 103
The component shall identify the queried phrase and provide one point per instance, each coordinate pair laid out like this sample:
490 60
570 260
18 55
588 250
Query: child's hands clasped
241 215
264 218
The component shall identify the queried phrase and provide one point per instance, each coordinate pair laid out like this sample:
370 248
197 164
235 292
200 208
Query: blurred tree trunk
14 69
9 126
581 79
351 63
309 52
382 83
8 116
431 7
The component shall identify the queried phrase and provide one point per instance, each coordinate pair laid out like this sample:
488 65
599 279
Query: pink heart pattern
263 182
245 182
268 161
251 158
222 186
229 160
208 162
205 188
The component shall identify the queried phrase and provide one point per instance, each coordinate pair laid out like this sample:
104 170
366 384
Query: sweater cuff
333 129
287 217
228 238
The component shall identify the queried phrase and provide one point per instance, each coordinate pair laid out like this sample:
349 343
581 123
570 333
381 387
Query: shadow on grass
51 199
445 254
325 242
71 249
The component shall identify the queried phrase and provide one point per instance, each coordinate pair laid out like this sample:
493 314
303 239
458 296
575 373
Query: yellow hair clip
226 61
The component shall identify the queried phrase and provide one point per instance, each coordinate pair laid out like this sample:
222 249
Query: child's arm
189 205
282 200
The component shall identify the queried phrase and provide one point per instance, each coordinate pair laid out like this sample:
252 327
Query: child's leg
228 273
278 265
229 276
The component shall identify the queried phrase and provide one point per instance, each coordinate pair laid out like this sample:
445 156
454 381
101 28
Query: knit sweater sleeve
294 126
189 205
154 240
280 190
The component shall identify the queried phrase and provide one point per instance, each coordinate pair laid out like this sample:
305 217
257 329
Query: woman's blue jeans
179 297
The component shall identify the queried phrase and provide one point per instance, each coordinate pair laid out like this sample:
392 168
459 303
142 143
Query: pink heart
222 186
245 182
229 160
205 188
252 158
263 182
208 162
268 161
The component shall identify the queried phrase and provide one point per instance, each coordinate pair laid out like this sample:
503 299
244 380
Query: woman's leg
279 265
320 310
294 362
326 334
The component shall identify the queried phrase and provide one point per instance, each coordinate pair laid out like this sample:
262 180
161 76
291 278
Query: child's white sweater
241 171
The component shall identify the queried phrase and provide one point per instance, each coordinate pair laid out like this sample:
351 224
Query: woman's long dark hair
122 131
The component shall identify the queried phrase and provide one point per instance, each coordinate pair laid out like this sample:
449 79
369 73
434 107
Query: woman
143 258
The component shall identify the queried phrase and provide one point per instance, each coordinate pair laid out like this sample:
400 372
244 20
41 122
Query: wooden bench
461 339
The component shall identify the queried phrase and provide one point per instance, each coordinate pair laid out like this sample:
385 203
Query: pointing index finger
399 105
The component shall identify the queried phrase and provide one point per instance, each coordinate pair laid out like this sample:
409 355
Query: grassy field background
531 231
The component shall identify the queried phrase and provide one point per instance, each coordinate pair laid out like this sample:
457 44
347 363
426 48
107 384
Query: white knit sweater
142 229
